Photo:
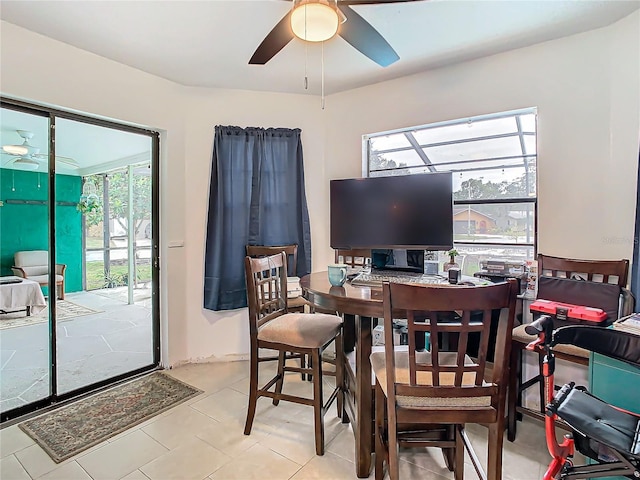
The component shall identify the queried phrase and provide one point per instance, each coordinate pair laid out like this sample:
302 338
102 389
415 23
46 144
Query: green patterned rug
69 430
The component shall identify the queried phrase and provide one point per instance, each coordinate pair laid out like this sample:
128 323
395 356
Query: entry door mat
72 429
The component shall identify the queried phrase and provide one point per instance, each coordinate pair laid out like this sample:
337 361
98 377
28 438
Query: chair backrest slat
356 257
605 271
267 250
266 280
455 311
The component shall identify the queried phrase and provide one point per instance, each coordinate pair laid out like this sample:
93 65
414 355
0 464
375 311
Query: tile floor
202 439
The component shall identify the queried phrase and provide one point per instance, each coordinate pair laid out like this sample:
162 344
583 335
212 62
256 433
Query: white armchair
34 265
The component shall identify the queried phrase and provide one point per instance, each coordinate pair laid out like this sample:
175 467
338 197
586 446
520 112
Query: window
493 160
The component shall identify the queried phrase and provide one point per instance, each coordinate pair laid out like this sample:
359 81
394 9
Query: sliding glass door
25 351
91 214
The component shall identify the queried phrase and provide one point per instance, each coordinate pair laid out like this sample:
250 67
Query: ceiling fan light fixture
27 163
315 20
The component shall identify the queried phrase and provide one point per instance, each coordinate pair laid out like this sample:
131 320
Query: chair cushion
36 270
519 335
307 330
424 378
43 279
32 258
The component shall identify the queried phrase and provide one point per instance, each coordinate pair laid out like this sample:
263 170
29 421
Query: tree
379 162
119 199
94 216
475 188
524 185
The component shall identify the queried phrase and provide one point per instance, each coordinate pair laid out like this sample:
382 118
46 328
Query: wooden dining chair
295 304
425 398
271 326
600 271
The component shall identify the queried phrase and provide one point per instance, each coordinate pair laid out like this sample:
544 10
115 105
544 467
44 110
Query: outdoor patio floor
90 348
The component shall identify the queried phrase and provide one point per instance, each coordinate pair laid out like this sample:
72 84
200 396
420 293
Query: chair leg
61 294
281 360
318 417
339 346
309 365
458 469
303 364
381 452
449 453
253 393
512 392
494 447
392 445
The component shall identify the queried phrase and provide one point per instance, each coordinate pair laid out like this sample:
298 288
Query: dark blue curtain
635 268
257 197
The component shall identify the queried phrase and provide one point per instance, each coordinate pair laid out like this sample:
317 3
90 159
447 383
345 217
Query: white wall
586 88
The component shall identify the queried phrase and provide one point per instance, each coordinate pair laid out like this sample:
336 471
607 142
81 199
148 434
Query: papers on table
629 324
293 287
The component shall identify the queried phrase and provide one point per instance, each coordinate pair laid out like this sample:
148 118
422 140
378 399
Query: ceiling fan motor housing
315 20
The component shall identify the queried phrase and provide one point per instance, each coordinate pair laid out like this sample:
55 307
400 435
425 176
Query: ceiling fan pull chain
322 84
306 77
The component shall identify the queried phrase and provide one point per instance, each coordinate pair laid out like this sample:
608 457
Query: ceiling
209 43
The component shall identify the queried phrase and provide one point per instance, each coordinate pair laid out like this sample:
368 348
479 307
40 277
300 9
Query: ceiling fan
29 157
319 20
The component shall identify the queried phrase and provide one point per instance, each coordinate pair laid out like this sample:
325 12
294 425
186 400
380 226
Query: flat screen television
409 211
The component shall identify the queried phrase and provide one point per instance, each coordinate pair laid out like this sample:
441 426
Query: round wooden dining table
350 299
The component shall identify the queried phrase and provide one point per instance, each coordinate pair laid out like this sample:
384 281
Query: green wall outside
26 226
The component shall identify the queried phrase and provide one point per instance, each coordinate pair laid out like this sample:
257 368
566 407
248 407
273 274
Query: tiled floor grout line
13 352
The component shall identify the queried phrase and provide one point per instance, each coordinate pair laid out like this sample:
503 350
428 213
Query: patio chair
34 265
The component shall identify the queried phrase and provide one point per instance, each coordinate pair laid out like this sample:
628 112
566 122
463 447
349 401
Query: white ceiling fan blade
67 161
59 158
12 155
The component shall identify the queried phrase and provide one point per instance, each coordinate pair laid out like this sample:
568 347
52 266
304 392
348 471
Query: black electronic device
454 275
402 260
396 212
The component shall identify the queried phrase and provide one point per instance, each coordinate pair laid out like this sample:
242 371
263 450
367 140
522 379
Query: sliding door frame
54 399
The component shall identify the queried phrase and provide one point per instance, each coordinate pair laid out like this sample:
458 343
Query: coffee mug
337 274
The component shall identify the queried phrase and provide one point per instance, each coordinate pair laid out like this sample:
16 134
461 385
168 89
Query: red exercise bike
608 435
